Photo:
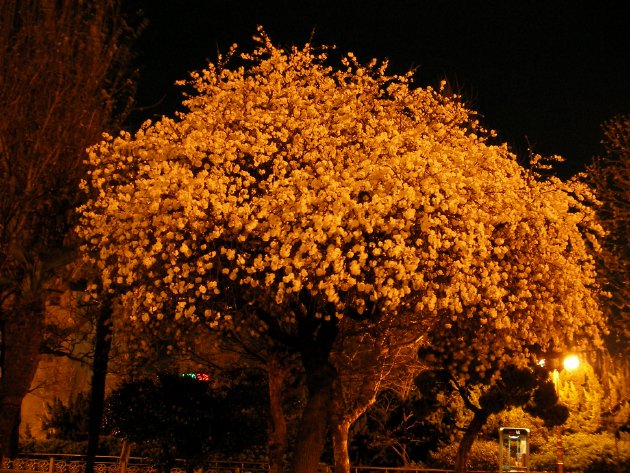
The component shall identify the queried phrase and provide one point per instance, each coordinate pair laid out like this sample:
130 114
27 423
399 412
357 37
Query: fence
403 469
57 463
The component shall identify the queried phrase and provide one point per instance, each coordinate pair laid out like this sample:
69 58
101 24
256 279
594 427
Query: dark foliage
544 405
67 422
179 417
399 429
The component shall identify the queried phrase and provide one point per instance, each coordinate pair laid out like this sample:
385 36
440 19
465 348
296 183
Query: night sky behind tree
543 74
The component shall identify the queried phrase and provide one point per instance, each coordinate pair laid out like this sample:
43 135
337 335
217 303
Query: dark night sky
545 73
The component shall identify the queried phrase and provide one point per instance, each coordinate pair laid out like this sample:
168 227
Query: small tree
367 363
513 387
67 422
480 349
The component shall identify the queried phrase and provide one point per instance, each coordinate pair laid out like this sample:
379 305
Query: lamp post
570 363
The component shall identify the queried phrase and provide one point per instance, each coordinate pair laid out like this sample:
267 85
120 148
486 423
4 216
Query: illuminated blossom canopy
293 189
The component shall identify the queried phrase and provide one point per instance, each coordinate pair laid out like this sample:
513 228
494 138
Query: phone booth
513 449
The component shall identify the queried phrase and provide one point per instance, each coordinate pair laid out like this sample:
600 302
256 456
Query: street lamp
570 363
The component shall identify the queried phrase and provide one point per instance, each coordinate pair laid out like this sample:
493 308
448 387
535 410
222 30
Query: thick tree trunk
317 338
102 345
475 426
277 423
22 338
340 435
14 445
314 422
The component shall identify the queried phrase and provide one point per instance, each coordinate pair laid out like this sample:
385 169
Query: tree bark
340 436
340 426
475 426
278 424
22 337
102 346
342 417
314 422
316 338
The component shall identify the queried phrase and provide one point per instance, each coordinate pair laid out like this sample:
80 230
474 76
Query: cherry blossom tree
292 195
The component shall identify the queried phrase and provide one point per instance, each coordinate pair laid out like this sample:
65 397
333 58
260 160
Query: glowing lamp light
571 362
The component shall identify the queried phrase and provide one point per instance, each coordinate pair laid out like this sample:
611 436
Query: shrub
484 455
67 422
107 446
590 453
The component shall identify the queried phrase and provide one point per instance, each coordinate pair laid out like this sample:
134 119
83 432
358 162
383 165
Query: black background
543 74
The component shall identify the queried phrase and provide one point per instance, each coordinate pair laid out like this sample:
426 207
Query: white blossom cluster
287 177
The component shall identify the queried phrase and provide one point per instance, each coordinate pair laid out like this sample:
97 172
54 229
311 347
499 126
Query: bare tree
368 362
63 81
